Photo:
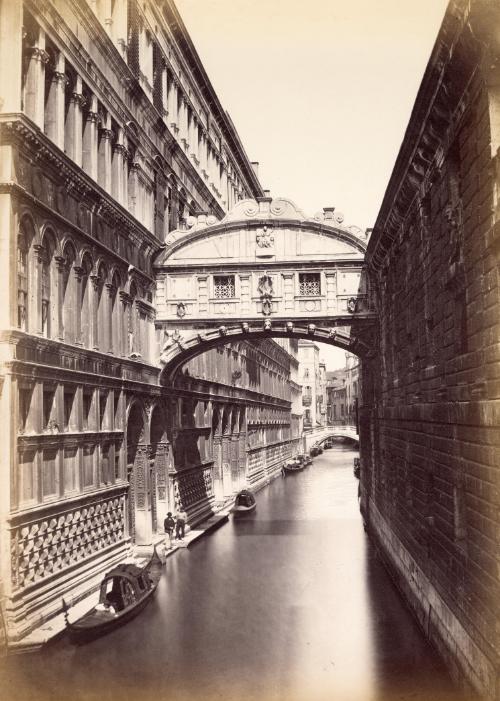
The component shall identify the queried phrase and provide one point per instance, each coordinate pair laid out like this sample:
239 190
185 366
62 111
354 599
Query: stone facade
313 380
429 420
343 393
111 137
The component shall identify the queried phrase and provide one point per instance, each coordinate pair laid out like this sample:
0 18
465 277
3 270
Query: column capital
106 133
120 148
79 272
78 98
59 77
38 54
93 117
60 262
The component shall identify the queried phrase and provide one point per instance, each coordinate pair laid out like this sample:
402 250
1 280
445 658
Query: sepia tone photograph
250 350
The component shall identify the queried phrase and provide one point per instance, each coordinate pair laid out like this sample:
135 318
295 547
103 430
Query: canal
287 604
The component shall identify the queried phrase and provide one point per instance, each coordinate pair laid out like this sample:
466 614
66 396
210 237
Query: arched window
132 321
85 303
102 317
46 285
69 294
22 280
115 316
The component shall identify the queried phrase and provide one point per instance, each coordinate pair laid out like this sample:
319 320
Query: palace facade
112 136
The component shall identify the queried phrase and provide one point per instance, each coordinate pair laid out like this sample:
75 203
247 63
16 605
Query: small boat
125 591
244 502
294 466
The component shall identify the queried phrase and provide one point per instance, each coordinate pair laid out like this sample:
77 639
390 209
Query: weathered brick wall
429 423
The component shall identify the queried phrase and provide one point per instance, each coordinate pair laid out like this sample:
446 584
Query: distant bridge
318 437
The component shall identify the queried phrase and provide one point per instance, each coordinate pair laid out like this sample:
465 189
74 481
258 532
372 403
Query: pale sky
320 92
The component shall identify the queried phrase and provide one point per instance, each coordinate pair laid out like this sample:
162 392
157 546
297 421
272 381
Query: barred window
22 282
309 284
223 286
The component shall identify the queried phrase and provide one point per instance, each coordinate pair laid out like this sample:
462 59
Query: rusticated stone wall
429 421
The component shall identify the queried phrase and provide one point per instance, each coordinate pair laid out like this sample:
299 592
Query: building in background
313 380
112 137
342 389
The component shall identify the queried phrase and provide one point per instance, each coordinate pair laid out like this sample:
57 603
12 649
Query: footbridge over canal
264 270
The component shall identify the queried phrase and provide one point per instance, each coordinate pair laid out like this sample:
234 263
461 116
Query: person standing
180 523
168 527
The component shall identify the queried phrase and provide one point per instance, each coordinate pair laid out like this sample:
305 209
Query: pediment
246 245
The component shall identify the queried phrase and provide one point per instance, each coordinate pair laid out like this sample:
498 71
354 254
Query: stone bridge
320 435
265 269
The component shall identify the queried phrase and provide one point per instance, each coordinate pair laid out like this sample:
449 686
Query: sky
320 92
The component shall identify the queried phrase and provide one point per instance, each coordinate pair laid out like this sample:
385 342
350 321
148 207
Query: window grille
22 283
224 286
309 284
45 292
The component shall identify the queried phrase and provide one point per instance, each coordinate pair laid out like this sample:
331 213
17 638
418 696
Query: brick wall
429 423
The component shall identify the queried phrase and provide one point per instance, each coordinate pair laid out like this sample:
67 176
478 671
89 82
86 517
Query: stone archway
139 496
158 468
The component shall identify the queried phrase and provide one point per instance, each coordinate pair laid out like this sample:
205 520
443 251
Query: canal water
289 603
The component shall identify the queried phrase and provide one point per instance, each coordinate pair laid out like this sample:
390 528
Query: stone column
117 169
93 316
89 151
60 267
104 156
119 28
204 154
164 91
11 23
223 185
193 138
133 189
183 123
126 156
173 114
78 306
73 126
107 320
34 87
124 305
54 112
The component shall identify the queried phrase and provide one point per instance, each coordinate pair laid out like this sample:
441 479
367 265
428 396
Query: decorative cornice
17 128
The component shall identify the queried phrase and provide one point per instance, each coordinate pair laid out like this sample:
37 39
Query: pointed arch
69 292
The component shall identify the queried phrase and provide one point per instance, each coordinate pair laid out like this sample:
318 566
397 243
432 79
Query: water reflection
286 604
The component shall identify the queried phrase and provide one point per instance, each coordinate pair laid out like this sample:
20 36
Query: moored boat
124 592
294 466
244 502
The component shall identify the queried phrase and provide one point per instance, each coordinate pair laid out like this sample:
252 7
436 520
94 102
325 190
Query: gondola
125 591
244 502
293 466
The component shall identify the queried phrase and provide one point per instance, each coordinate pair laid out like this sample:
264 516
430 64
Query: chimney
267 193
255 166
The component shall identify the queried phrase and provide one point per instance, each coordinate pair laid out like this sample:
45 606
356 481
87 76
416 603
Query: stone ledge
440 625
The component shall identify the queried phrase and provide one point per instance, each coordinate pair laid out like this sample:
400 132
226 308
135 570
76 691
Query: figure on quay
180 523
168 527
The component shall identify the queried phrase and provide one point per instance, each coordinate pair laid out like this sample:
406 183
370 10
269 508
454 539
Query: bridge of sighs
265 269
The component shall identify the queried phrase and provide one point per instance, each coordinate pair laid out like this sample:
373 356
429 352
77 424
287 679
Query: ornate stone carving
181 310
264 238
41 548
